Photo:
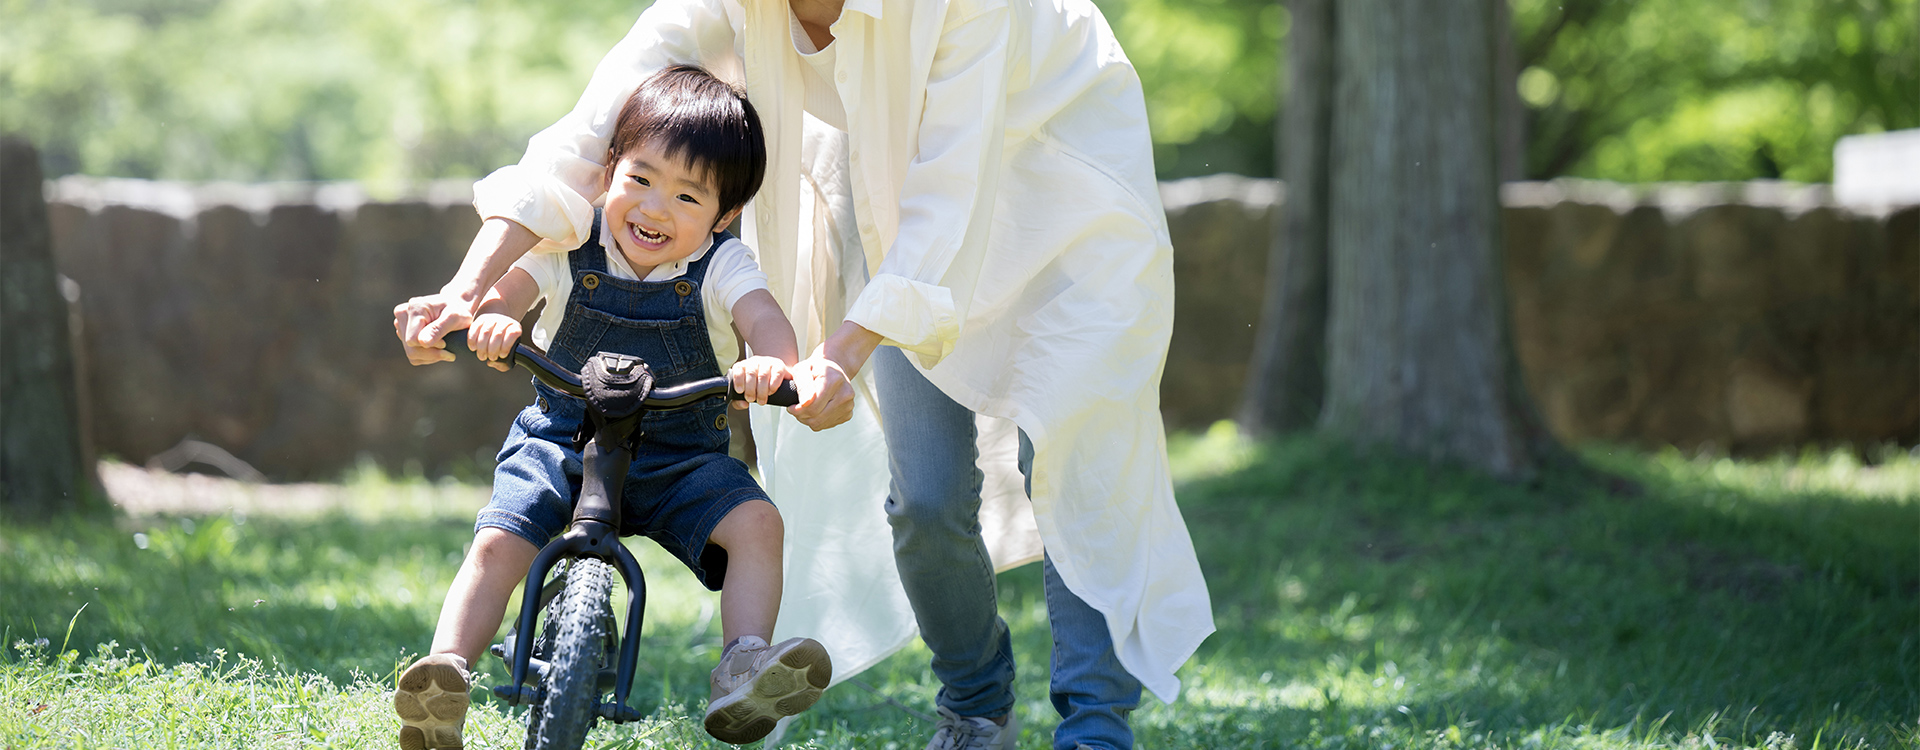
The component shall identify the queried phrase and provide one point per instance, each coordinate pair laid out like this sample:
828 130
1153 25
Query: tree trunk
1287 379
1512 121
41 466
1419 348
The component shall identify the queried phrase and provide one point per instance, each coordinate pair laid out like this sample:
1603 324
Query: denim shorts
681 484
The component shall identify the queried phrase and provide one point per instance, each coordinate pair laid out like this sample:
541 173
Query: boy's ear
727 220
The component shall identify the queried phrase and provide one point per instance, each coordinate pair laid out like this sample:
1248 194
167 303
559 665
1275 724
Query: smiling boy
659 279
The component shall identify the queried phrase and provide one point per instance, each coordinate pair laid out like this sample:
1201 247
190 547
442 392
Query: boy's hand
757 378
492 338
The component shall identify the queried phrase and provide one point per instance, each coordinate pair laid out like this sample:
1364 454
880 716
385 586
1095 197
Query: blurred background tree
396 90
377 90
1711 90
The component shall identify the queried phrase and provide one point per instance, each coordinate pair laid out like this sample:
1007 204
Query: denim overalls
682 481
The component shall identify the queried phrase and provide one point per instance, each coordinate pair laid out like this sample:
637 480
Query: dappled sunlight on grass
1363 601
1426 602
1885 474
1219 450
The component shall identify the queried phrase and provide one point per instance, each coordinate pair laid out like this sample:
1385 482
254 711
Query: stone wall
1746 316
258 317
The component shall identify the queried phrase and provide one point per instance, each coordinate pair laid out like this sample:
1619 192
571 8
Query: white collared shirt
823 99
730 275
999 173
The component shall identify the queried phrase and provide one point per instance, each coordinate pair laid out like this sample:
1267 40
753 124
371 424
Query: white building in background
1877 171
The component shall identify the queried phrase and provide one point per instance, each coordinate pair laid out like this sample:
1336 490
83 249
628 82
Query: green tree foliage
1711 89
396 90
1209 68
380 90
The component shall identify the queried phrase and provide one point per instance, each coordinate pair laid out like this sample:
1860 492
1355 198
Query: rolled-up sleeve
539 201
554 187
918 296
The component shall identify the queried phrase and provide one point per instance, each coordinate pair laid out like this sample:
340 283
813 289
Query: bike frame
595 528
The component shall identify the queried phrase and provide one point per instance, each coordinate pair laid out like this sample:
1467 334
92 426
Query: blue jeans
934 507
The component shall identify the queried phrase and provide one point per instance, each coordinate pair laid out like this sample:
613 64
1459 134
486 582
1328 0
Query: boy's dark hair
699 119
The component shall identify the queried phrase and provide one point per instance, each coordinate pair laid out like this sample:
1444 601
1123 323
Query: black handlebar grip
456 338
785 395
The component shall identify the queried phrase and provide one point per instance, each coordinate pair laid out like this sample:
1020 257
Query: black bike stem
603 476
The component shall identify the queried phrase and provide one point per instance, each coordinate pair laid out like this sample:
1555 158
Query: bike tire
580 622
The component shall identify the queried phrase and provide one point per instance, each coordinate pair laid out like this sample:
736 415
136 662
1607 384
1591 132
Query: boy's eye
641 180
689 199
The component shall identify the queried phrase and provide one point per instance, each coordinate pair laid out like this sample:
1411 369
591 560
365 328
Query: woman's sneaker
956 732
757 684
432 702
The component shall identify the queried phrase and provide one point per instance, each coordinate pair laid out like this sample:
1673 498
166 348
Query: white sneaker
756 685
956 732
432 703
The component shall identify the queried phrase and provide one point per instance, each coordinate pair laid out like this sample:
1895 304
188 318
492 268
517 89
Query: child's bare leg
431 696
756 682
477 601
751 534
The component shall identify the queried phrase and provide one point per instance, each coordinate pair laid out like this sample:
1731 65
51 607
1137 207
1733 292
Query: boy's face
659 209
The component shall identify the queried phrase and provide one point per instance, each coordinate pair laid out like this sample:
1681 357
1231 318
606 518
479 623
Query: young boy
659 279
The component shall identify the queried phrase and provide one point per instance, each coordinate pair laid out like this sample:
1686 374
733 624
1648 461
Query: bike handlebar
566 381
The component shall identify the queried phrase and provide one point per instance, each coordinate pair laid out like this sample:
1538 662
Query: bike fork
594 533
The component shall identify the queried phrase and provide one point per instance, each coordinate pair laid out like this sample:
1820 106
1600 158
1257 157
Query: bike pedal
618 713
515 695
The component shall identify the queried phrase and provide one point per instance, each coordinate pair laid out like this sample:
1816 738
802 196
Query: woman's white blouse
1001 181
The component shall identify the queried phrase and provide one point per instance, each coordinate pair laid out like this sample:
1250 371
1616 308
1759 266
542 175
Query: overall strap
697 270
590 255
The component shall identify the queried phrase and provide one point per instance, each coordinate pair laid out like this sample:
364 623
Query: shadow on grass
1425 597
329 595
1362 600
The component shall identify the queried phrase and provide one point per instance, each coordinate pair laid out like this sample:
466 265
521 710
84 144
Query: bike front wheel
580 623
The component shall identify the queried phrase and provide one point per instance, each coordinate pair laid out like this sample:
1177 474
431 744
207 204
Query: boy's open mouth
648 236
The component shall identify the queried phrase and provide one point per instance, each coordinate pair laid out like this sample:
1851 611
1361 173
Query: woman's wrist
499 243
850 346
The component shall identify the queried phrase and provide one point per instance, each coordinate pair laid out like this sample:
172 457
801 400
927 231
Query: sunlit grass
1363 601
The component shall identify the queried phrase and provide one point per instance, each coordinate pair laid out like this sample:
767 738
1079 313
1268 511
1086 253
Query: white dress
1002 199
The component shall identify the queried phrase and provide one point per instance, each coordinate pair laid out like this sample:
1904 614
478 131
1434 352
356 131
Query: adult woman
1002 184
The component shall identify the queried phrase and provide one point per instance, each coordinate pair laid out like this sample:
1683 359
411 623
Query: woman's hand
826 393
756 378
422 321
492 338
825 380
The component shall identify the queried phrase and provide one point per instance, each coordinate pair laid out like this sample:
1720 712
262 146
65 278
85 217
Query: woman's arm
421 322
506 300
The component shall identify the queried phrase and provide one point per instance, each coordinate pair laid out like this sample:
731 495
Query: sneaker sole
786 687
432 703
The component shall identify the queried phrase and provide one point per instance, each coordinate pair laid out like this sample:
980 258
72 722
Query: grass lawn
1363 601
